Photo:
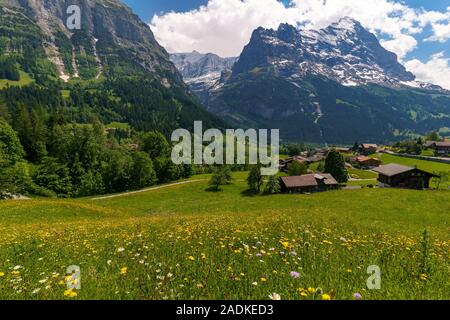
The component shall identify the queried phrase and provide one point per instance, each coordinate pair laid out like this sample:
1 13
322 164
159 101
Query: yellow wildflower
70 293
326 297
285 244
123 271
311 290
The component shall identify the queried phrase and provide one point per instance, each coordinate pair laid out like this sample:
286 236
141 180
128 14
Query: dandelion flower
2 274
312 290
70 293
326 297
191 258
423 277
123 271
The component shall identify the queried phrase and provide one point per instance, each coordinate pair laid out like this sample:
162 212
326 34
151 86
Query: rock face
202 72
344 52
112 40
335 85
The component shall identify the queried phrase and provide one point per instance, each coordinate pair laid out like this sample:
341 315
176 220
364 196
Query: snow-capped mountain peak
344 51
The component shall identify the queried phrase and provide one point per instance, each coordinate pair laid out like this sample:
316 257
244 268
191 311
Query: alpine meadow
346 198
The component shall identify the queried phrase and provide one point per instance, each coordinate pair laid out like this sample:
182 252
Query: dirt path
145 190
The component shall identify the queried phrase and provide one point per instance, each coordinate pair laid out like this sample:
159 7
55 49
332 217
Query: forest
84 139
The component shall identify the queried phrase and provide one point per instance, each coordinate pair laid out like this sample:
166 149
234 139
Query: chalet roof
443 144
362 159
369 145
394 169
309 180
437 144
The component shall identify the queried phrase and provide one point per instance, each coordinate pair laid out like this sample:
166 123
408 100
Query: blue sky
218 29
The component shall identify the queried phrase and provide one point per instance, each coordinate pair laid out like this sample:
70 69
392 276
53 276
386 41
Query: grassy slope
25 80
200 240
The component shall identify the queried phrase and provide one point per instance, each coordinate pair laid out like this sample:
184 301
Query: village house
442 148
317 157
344 149
308 183
367 149
364 162
284 163
398 176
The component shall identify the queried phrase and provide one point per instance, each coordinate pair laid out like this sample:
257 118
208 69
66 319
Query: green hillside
321 110
189 243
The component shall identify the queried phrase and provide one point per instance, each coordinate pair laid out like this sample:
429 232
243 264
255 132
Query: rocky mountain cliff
112 64
344 52
112 40
203 72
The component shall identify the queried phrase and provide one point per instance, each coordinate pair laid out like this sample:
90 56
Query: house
399 176
366 162
308 183
367 148
441 148
284 163
344 149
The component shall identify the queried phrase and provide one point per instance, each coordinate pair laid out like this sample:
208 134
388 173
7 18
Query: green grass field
183 242
25 80
429 166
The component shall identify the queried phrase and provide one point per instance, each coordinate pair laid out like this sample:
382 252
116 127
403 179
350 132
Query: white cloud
222 27
402 45
436 70
441 32
225 26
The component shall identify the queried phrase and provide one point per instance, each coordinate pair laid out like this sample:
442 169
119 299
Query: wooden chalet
398 176
367 148
366 162
441 148
308 183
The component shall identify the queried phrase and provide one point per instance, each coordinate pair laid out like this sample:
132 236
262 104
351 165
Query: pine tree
255 180
335 165
297 169
273 186
220 177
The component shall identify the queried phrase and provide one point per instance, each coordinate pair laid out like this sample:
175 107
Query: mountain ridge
112 38
316 85
109 56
